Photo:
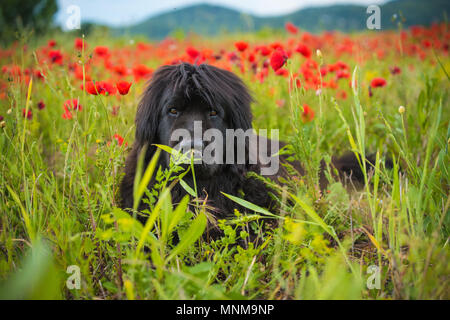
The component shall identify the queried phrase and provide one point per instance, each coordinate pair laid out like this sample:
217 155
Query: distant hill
210 20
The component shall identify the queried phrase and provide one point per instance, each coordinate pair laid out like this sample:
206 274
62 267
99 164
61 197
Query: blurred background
66 125
159 19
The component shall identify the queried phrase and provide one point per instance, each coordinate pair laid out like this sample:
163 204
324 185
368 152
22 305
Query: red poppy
123 87
282 72
90 88
67 114
38 74
192 52
303 50
101 51
395 70
79 44
100 87
342 74
378 82
72 104
105 87
232 56
265 51
55 56
141 72
241 45
276 45
291 28
28 115
119 139
121 70
278 59
426 43
41 105
308 113
51 43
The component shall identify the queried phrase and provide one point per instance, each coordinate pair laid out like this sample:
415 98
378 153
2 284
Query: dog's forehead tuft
192 80
193 102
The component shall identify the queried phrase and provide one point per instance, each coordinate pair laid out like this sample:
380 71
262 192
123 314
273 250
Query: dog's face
183 123
183 102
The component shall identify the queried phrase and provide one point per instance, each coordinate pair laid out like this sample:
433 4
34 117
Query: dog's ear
150 106
240 115
239 102
240 112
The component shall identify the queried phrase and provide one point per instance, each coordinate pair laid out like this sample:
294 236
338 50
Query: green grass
59 194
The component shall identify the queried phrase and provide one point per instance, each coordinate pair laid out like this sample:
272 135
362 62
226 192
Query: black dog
176 97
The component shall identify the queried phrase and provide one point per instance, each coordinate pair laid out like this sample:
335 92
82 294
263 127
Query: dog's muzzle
191 148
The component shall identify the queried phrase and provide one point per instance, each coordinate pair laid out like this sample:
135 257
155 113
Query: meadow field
67 123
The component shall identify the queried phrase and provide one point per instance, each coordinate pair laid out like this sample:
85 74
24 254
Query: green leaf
188 189
258 209
249 205
165 148
313 215
143 184
151 220
178 214
194 232
25 216
134 226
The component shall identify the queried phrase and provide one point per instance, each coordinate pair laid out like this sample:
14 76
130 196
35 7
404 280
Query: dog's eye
173 111
213 113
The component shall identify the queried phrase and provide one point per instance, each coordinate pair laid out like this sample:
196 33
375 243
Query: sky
129 12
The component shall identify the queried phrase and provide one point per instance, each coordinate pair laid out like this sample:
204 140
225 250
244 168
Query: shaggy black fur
175 98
